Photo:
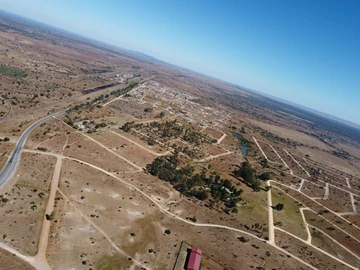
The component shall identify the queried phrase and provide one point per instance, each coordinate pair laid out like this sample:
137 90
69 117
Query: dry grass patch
306 252
289 218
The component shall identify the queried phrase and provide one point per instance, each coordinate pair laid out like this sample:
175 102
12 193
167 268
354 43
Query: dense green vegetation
197 185
12 72
248 174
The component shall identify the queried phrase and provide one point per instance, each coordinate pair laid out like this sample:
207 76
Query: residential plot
85 149
314 190
289 218
307 253
295 163
338 200
325 243
336 230
269 152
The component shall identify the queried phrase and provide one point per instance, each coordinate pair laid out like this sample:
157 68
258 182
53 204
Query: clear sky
307 51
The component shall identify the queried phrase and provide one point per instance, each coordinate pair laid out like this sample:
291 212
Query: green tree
279 206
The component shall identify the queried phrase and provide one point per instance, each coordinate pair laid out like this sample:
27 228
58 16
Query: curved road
10 167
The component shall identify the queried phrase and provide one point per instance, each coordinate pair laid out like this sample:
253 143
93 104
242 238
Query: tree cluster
194 137
248 174
198 185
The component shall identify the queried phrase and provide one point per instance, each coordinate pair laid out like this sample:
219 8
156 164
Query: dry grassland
307 253
26 194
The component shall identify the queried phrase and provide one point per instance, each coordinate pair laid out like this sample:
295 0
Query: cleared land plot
306 253
331 229
54 143
112 206
126 148
75 243
271 155
313 190
338 200
322 241
80 147
354 183
23 203
319 209
213 133
289 218
10 262
354 219
297 170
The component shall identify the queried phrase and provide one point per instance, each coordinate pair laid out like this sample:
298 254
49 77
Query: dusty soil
26 196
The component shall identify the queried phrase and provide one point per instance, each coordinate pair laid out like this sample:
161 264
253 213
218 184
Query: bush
265 176
151 141
167 231
279 206
242 239
148 109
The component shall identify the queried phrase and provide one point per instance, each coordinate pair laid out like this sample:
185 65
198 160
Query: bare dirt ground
9 261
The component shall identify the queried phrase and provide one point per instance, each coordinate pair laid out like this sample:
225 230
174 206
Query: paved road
12 163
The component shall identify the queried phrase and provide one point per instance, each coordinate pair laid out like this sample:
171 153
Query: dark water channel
244 148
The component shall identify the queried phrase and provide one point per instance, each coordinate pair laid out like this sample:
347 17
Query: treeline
250 177
199 185
115 93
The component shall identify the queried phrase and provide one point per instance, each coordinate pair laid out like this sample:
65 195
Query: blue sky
307 52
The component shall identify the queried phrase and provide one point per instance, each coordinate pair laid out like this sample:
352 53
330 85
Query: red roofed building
194 259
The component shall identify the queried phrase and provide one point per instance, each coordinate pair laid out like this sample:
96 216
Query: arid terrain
146 158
